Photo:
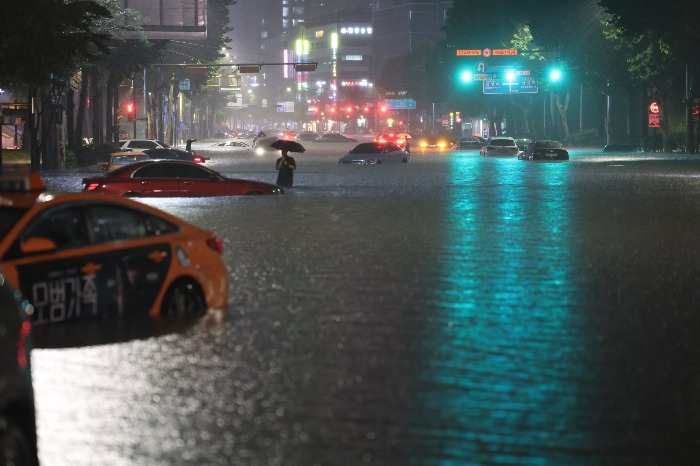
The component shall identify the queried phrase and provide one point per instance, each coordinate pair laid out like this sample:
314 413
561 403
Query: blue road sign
521 85
400 104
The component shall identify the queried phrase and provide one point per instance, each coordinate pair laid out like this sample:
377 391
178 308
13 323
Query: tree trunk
70 115
82 99
96 108
563 109
110 115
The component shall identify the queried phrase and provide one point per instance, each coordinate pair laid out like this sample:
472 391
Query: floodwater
456 310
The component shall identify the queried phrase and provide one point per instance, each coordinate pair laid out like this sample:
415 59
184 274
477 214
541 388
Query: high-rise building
401 25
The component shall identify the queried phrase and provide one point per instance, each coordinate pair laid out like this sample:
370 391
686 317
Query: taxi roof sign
21 183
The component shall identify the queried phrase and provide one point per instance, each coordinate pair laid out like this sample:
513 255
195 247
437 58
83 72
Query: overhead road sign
524 85
468 53
486 52
400 104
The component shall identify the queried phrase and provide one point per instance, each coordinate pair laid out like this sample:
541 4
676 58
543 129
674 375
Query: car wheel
14 446
183 300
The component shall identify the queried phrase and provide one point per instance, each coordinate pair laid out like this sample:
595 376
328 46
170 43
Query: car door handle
143 183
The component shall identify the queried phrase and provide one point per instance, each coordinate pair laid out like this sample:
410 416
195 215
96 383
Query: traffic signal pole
133 100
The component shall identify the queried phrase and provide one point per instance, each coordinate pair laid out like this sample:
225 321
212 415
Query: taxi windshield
8 217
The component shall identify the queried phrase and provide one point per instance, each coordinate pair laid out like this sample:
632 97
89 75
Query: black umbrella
290 146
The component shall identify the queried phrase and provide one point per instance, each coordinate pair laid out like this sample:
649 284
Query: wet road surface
457 310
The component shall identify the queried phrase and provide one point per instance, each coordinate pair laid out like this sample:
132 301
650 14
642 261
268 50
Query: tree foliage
44 37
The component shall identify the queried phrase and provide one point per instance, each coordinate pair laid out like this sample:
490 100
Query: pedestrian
260 134
188 146
285 167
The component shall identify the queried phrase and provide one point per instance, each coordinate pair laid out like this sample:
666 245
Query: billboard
171 19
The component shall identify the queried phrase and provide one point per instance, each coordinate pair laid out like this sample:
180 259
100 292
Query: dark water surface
457 310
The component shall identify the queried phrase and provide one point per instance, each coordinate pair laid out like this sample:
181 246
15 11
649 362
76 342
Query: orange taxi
84 256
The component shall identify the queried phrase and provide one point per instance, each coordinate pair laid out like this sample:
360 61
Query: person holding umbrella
285 168
286 164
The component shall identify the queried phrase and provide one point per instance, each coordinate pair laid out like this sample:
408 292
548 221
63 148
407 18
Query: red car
166 178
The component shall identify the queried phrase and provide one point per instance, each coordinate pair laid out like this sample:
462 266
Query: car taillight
22 357
198 159
216 244
91 186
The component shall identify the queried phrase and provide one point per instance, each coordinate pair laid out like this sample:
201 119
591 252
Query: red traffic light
130 110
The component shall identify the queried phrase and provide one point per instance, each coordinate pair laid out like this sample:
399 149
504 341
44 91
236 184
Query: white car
375 153
135 144
500 147
236 146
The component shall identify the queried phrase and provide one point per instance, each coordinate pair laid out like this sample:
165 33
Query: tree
662 43
42 41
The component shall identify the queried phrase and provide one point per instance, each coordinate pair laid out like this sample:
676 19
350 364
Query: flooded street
454 310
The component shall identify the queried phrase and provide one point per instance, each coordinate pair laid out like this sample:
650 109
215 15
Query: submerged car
119 159
523 143
334 137
233 146
500 147
545 151
431 141
375 153
166 178
138 144
470 142
87 257
174 154
308 136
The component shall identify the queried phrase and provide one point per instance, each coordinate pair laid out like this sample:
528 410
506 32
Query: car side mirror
38 244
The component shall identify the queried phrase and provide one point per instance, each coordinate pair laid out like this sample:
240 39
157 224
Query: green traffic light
466 76
555 74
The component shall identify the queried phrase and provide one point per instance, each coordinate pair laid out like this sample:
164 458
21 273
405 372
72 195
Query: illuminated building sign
359 30
354 83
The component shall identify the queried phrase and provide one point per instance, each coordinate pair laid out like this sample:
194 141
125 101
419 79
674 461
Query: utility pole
689 133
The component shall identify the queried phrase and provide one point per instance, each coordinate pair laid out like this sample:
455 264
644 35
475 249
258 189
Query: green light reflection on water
496 383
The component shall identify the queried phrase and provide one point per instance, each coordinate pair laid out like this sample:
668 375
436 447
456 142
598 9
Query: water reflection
496 385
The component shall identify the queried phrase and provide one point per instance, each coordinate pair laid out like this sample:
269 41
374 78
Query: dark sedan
334 137
168 178
174 154
470 142
545 151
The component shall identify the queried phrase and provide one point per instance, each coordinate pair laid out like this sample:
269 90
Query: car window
111 222
191 171
502 142
8 217
155 170
142 145
64 225
390 146
368 148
